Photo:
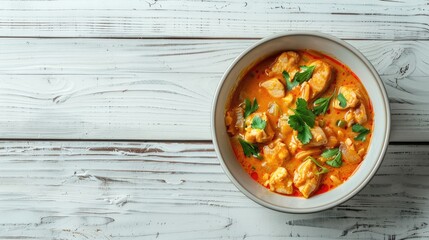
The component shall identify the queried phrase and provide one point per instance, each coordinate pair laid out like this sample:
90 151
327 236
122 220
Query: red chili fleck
296 192
254 175
324 188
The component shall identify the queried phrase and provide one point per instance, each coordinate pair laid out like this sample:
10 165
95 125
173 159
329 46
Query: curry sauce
300 122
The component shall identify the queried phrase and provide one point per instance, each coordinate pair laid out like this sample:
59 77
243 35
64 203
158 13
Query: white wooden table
105 110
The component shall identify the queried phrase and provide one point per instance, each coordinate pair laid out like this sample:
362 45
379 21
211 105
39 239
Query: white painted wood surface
370 19
147 190
162 89
146 70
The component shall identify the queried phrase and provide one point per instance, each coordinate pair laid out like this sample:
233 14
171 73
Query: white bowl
346 54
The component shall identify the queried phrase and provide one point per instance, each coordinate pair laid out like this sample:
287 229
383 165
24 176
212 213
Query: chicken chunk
228 122
319 137
234 120
274 109
306 153
332 142
306 178
280 181
255 135
360 114
322 77
335 179
357 115
352 96
293 144
275 154
274 87
287 100
284 126
305 91
287 61
349 153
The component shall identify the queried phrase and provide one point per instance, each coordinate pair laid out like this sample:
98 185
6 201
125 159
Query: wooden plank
235 19
162 89
146 190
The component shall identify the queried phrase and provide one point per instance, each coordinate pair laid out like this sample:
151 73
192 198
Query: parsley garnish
290 85
258 123
250 149
334 156
342 99
357 128
300 77
302 121
249 108
321 105
323 169
305 75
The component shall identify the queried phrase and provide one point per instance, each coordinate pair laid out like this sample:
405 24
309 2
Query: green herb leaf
322 170
306 114
305 135
334 156
250 149
336 162
305 75
357 128
296 123
290 85
330 153
302 121
342 99
321 105
258 123
249 108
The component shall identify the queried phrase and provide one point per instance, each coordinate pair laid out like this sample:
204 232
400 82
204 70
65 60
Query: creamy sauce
250 88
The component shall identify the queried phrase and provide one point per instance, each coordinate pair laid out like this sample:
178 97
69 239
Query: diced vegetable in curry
300 123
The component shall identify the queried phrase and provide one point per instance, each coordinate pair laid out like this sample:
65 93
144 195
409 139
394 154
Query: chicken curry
300 123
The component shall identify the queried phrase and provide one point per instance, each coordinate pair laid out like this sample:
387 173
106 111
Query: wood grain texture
233 19
146 190
162 89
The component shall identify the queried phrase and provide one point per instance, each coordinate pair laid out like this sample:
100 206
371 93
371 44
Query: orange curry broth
249 87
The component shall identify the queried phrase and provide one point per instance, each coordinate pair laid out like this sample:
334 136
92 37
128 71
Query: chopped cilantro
306 114
357 128
342 99
334 156
249 108
302 121
290 85
250 149
305 75
321 105
258 123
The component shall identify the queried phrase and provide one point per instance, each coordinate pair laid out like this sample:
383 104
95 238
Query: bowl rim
387 126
